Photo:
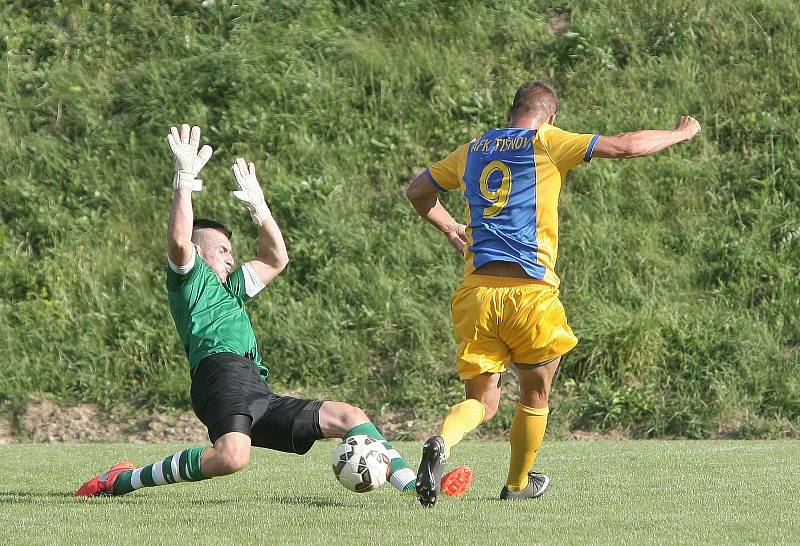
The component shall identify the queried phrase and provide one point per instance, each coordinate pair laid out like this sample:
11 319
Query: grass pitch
603 492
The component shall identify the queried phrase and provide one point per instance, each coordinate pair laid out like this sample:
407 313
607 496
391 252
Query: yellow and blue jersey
511 179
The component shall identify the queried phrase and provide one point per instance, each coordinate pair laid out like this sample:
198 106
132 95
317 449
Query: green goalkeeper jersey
210 316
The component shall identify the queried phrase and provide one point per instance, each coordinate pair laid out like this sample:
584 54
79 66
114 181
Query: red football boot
103 485
457 482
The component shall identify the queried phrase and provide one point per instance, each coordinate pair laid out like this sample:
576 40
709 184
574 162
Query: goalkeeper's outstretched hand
188 160
250 192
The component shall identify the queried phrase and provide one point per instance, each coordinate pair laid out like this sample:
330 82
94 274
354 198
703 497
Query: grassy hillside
679 271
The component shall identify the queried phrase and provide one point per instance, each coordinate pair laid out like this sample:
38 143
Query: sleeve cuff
432 181
590 150
252 282
183 269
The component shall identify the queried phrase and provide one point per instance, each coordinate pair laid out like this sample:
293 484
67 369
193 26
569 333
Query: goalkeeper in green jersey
230 393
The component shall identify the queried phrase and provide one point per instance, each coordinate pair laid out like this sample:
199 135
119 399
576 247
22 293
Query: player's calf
123 478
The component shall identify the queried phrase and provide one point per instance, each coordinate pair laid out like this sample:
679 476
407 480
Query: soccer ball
360 463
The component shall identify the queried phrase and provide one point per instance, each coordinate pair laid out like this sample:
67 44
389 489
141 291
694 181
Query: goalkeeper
229 392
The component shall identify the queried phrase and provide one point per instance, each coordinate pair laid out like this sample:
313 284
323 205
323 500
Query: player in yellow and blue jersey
507 309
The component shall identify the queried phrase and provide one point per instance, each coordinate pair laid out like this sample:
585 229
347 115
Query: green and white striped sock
400 474
183 466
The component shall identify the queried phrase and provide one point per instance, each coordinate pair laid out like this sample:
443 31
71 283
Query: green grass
604 492
679 271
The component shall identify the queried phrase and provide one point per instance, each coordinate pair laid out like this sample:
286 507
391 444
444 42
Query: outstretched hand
688 125
188 160
250 192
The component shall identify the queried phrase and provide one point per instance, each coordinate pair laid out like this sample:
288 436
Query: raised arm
272 256
188 162
424 196
647 142
179 228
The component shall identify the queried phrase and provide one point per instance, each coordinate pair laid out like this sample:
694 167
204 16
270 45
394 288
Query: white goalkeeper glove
188 161
250 192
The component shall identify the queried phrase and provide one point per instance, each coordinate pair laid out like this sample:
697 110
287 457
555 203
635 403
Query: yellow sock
462 418
527 433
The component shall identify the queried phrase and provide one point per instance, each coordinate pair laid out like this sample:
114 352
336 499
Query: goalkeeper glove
188 161
250 192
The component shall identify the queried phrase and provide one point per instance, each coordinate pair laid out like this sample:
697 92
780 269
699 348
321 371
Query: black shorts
229 395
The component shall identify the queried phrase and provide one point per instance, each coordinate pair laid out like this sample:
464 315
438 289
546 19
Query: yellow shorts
502 318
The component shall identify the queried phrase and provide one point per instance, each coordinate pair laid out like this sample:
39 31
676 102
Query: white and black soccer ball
360 463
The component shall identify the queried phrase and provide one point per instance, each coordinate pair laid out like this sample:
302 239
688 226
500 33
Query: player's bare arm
272 256
184 144
647 142
424 196
179 227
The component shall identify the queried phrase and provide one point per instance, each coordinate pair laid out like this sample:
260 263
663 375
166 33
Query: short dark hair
202 223
534 97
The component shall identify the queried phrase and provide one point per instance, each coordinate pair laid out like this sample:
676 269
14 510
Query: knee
335 418
233 459
543 395
353 416
535 398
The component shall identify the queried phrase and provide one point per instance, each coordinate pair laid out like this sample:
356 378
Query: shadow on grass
306 500
66 497
34 497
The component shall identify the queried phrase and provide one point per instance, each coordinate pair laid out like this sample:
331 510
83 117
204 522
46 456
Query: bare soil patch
44 421
7 430
588 436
